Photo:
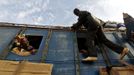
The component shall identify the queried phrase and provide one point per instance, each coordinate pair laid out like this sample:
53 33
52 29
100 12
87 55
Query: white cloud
21 15
108 9
4 2
38 20
28 12
61 11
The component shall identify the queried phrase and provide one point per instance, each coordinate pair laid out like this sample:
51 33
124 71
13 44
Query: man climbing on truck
95 33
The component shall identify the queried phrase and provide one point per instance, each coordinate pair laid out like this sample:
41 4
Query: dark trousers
98 36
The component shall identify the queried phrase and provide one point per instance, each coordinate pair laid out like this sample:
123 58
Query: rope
45 51
19 67
5 52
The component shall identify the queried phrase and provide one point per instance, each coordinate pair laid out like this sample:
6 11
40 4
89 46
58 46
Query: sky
60 12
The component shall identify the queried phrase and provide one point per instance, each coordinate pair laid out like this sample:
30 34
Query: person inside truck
22 45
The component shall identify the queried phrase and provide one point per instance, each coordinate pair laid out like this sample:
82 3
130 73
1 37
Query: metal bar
129 54
106 59
45 51
36 26
131 43
122 44
5 52
76 55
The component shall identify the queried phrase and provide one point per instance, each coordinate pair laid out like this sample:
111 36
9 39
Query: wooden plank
24 68
120 70
11 73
